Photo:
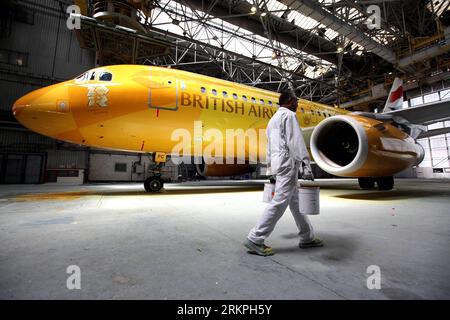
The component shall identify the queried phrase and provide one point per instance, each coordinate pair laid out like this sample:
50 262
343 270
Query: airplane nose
20 105
26 108
45 110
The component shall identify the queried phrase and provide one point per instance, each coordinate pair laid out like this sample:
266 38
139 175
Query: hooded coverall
286 150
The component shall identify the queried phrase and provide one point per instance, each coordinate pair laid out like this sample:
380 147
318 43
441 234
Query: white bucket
269 192
309 200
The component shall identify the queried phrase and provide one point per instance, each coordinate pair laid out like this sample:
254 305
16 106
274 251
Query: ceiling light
253 10
263 14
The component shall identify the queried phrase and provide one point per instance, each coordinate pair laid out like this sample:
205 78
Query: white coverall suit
286 150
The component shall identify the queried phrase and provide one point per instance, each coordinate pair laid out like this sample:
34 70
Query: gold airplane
137 108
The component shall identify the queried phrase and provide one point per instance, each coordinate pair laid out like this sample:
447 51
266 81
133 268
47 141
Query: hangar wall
125 167
436 163
36 50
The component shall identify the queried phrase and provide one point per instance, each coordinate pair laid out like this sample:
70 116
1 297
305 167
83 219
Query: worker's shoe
259 249
316 242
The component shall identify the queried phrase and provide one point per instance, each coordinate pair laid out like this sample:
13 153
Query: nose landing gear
154 183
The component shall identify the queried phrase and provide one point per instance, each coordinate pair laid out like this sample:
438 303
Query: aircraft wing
426 113
434 132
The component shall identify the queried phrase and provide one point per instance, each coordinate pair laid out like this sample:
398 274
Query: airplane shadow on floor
393 195
337 247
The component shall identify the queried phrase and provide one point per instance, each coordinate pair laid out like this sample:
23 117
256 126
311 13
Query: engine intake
357 146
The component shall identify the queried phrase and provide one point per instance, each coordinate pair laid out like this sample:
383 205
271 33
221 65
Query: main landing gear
154 182
383 183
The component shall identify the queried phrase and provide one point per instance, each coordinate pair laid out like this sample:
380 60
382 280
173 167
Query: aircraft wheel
385 183
153 184
366 183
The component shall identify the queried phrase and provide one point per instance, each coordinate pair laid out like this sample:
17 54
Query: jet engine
357 146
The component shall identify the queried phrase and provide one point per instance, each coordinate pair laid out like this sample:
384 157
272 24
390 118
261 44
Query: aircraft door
306 115
314 116
163 93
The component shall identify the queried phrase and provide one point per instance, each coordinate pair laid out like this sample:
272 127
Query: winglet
395 98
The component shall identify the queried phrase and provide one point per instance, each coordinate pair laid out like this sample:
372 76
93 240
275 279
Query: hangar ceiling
325 48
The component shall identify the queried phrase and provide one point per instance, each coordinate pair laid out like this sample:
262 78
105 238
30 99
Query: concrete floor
185 243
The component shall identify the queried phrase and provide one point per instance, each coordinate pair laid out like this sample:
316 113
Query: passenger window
92 76
261 101
253 100
303 110
235 96
270 103
244 98
105 76
277 104
225 94
203 89
214 92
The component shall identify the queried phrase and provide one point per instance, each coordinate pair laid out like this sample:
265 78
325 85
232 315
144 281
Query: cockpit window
105 76
86 76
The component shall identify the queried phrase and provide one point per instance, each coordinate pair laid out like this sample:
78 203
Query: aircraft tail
395 98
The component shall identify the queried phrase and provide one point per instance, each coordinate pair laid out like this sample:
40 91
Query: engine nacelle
223 170
356 146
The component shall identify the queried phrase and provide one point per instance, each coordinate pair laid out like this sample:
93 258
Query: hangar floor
186 243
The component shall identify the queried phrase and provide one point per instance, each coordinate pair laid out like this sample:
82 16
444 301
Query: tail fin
395 98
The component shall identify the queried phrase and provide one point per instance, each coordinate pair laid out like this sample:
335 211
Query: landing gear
153 184
383 183
366 183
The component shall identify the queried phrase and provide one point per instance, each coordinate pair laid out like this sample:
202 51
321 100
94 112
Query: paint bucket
269 192
309 200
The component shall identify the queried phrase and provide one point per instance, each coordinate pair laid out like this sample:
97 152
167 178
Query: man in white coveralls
286 155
